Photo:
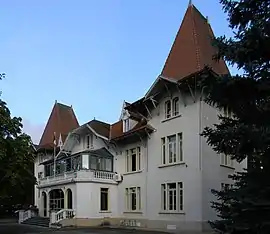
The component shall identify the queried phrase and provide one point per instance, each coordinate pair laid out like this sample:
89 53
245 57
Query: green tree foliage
245 207
16 159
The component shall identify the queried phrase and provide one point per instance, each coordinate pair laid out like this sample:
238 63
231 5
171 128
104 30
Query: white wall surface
88 200
189 173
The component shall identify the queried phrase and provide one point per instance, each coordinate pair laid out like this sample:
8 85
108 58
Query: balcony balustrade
78 176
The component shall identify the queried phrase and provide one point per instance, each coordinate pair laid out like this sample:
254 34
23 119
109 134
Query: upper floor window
89 141
226 160
172 149
176 106
225 186
227 112
101 163
133 159
172 108
126 125
168 109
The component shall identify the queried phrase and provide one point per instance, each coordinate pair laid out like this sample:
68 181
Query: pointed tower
192 48
61 121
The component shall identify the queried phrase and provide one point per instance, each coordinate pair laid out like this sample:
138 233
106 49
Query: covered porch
55 200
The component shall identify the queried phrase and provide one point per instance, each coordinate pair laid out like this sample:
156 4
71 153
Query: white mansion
151 169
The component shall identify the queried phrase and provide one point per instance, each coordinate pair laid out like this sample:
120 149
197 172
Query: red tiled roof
192 48
62 120
100 127
117 128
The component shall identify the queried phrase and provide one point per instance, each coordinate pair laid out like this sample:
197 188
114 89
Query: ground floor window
172 196
133 199
104 199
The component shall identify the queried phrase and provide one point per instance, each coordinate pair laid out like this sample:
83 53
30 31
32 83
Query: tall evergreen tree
16 159
245 207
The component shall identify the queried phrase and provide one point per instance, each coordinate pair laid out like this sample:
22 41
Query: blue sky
91 54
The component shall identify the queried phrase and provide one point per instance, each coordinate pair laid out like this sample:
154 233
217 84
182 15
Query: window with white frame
226 160
104 199
172 197
133 199
133 159
172 149
176 106
89 141
172 108
168 109
126 125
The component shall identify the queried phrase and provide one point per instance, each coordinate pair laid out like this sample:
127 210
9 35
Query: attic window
89 141
126 125
172 108
176 106
168 109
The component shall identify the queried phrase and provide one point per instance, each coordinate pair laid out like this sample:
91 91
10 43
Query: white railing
82 175
103 175
56 217
25 214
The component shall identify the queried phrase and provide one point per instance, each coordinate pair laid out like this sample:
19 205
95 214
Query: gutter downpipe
200 146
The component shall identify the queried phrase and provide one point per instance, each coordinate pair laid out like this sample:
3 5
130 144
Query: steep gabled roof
62 120
192 48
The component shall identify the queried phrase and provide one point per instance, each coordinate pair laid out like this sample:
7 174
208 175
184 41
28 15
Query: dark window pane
104 199
133 201
133 162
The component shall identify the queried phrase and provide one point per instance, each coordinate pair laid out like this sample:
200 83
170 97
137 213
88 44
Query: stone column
48 204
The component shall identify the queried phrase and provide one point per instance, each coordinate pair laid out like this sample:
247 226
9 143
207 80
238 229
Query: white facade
189 177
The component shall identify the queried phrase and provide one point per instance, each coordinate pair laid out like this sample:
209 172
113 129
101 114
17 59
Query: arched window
176 106
168 109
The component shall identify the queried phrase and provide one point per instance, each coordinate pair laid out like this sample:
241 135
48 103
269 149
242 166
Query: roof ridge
195 38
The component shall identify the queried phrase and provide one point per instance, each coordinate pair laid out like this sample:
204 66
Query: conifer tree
244 207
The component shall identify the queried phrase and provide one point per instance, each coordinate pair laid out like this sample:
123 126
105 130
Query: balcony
78 176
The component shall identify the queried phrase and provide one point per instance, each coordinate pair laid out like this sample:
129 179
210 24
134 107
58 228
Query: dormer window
126 125
89 141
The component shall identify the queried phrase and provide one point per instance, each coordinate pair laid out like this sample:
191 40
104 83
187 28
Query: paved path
11 227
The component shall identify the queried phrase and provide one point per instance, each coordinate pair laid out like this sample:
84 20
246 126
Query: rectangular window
225 186
89 141
226 160
172 197
133 199
133 159
227 112
104 199
101 164
126 125
172 149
